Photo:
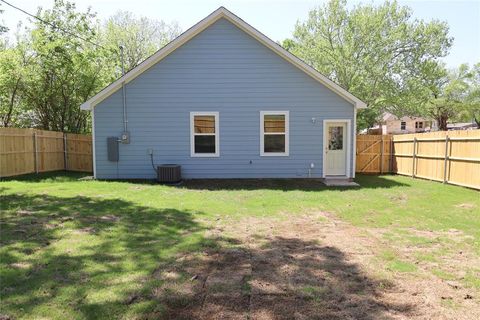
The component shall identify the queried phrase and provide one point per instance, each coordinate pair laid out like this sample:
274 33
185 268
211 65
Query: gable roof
201 26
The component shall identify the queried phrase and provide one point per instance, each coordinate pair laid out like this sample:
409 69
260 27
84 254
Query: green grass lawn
78 249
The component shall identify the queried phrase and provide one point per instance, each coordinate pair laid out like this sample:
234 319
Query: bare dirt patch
109 218
300 267
466 205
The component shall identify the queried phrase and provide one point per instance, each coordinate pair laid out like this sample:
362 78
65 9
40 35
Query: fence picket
25 151
35 151
451 157
445 179
414 156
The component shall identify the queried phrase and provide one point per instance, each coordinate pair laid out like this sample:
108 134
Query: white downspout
125 120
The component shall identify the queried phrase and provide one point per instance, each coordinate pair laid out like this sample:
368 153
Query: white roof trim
199 27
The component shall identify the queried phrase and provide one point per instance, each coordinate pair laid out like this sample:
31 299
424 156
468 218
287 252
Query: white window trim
93 146
354 151
287 134
216 134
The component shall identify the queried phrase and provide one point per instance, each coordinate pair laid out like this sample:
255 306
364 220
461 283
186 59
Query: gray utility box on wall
169 173
112 149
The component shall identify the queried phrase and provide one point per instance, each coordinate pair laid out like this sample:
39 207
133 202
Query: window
274 140
335 137
204 138
403 125
418 125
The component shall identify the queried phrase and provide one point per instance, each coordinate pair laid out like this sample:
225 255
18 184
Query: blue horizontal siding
222 69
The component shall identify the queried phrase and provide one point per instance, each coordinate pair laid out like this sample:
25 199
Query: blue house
224 101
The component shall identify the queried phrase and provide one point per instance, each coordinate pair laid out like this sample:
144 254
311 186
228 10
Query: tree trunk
477 121
442 122
8 116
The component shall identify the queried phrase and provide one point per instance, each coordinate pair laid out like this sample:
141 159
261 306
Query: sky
277 18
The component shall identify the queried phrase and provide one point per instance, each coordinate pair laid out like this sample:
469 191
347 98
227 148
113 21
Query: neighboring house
224 101
393 125
462 126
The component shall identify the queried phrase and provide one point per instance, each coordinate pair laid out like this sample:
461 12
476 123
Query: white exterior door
336 149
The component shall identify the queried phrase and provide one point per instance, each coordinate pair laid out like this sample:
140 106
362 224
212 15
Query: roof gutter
86 106
124 97
360 105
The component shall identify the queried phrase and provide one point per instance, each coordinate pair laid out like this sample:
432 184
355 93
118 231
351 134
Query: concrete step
339 182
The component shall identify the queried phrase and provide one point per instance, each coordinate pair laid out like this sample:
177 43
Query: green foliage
375 52
368 117
472 100
48 72
455 94
140 36
65 70
9 84
13 62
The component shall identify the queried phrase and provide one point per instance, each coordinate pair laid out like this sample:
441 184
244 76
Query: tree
473 96
140 36
376 52
65 70
454 94
9 84
441 105
55 66
13 63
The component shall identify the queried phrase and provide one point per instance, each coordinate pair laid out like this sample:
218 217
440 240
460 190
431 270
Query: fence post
35 150
65 156
414 156
381 154
445 164
390 166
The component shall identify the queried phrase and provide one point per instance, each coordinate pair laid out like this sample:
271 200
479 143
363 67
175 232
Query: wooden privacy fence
451 157
446 156
374 154
29 150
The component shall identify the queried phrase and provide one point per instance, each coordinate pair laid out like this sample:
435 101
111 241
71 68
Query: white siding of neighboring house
394 126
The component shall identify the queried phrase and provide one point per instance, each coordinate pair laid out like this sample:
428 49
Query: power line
53 25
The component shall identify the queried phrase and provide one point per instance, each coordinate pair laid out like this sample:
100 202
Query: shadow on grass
285 278
55 252
365 181
93 258
53 176
370 182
